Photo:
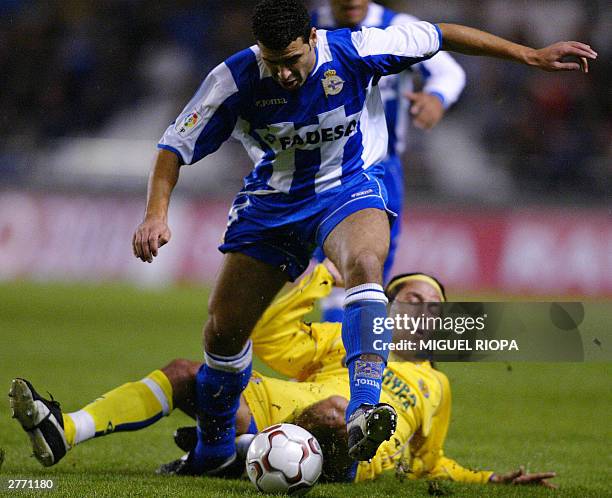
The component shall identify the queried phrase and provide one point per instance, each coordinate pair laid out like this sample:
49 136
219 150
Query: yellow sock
129 407
69 429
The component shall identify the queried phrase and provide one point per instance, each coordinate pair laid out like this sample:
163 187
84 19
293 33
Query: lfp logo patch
185 126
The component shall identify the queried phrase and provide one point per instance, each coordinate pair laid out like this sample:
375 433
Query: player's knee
364 267
181 372
182 375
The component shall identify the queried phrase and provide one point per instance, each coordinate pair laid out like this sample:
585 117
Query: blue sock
332 315
219 383
365 307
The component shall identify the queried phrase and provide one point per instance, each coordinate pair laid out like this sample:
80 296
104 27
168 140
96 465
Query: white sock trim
362 287
365 292
158 392
235 363
84 424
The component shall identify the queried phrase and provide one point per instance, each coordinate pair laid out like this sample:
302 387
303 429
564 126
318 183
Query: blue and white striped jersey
309 140
443 76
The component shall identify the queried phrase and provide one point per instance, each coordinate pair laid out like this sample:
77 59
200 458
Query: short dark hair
276 23
393 292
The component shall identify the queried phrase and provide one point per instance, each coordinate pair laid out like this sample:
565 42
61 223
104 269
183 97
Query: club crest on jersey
332 83
186 125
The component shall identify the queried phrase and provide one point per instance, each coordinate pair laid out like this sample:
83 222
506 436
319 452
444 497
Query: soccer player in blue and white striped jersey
307 107
443 82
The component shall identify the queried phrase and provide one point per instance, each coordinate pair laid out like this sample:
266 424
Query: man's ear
313 37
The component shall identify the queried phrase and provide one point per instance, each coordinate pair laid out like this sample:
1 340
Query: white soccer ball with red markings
284 458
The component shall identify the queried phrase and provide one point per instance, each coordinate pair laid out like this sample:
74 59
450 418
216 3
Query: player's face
291 66
410 301
349 13
416 291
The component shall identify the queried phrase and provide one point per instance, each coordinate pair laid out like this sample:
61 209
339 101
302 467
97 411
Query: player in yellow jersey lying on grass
310 353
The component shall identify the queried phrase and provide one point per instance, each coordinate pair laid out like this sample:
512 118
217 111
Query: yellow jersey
313 355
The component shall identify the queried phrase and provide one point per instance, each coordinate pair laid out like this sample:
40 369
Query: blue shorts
284 232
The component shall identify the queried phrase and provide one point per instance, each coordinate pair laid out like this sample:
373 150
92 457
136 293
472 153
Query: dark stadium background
522 165
509 196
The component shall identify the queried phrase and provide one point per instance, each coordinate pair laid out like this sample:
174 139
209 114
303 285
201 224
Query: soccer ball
284 458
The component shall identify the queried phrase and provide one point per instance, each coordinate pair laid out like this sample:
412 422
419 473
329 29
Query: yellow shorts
273 401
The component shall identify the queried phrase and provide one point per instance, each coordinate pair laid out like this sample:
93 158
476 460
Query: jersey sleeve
396 48
281 338
448 469
207 120
428 458
442 75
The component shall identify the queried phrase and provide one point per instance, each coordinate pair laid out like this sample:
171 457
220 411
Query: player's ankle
208 457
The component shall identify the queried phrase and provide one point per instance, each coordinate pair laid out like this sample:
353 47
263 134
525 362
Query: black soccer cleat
232 468
368 427
186 438
41 419
179 467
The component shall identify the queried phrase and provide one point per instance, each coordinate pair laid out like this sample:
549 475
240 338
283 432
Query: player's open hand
520 477
564 56
426 109
150 235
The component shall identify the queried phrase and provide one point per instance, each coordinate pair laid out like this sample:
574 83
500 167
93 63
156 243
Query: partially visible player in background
443 81
311 353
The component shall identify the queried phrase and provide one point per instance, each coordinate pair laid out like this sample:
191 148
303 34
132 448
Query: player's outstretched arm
561 56
520 477
153 232
448 469
282 339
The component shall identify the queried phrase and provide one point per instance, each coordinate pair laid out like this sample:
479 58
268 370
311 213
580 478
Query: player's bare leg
181 374
243 290
358 246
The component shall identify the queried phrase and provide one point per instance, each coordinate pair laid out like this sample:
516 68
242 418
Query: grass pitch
80 341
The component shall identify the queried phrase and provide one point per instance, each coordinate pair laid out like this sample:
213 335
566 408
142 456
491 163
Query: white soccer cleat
41 419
